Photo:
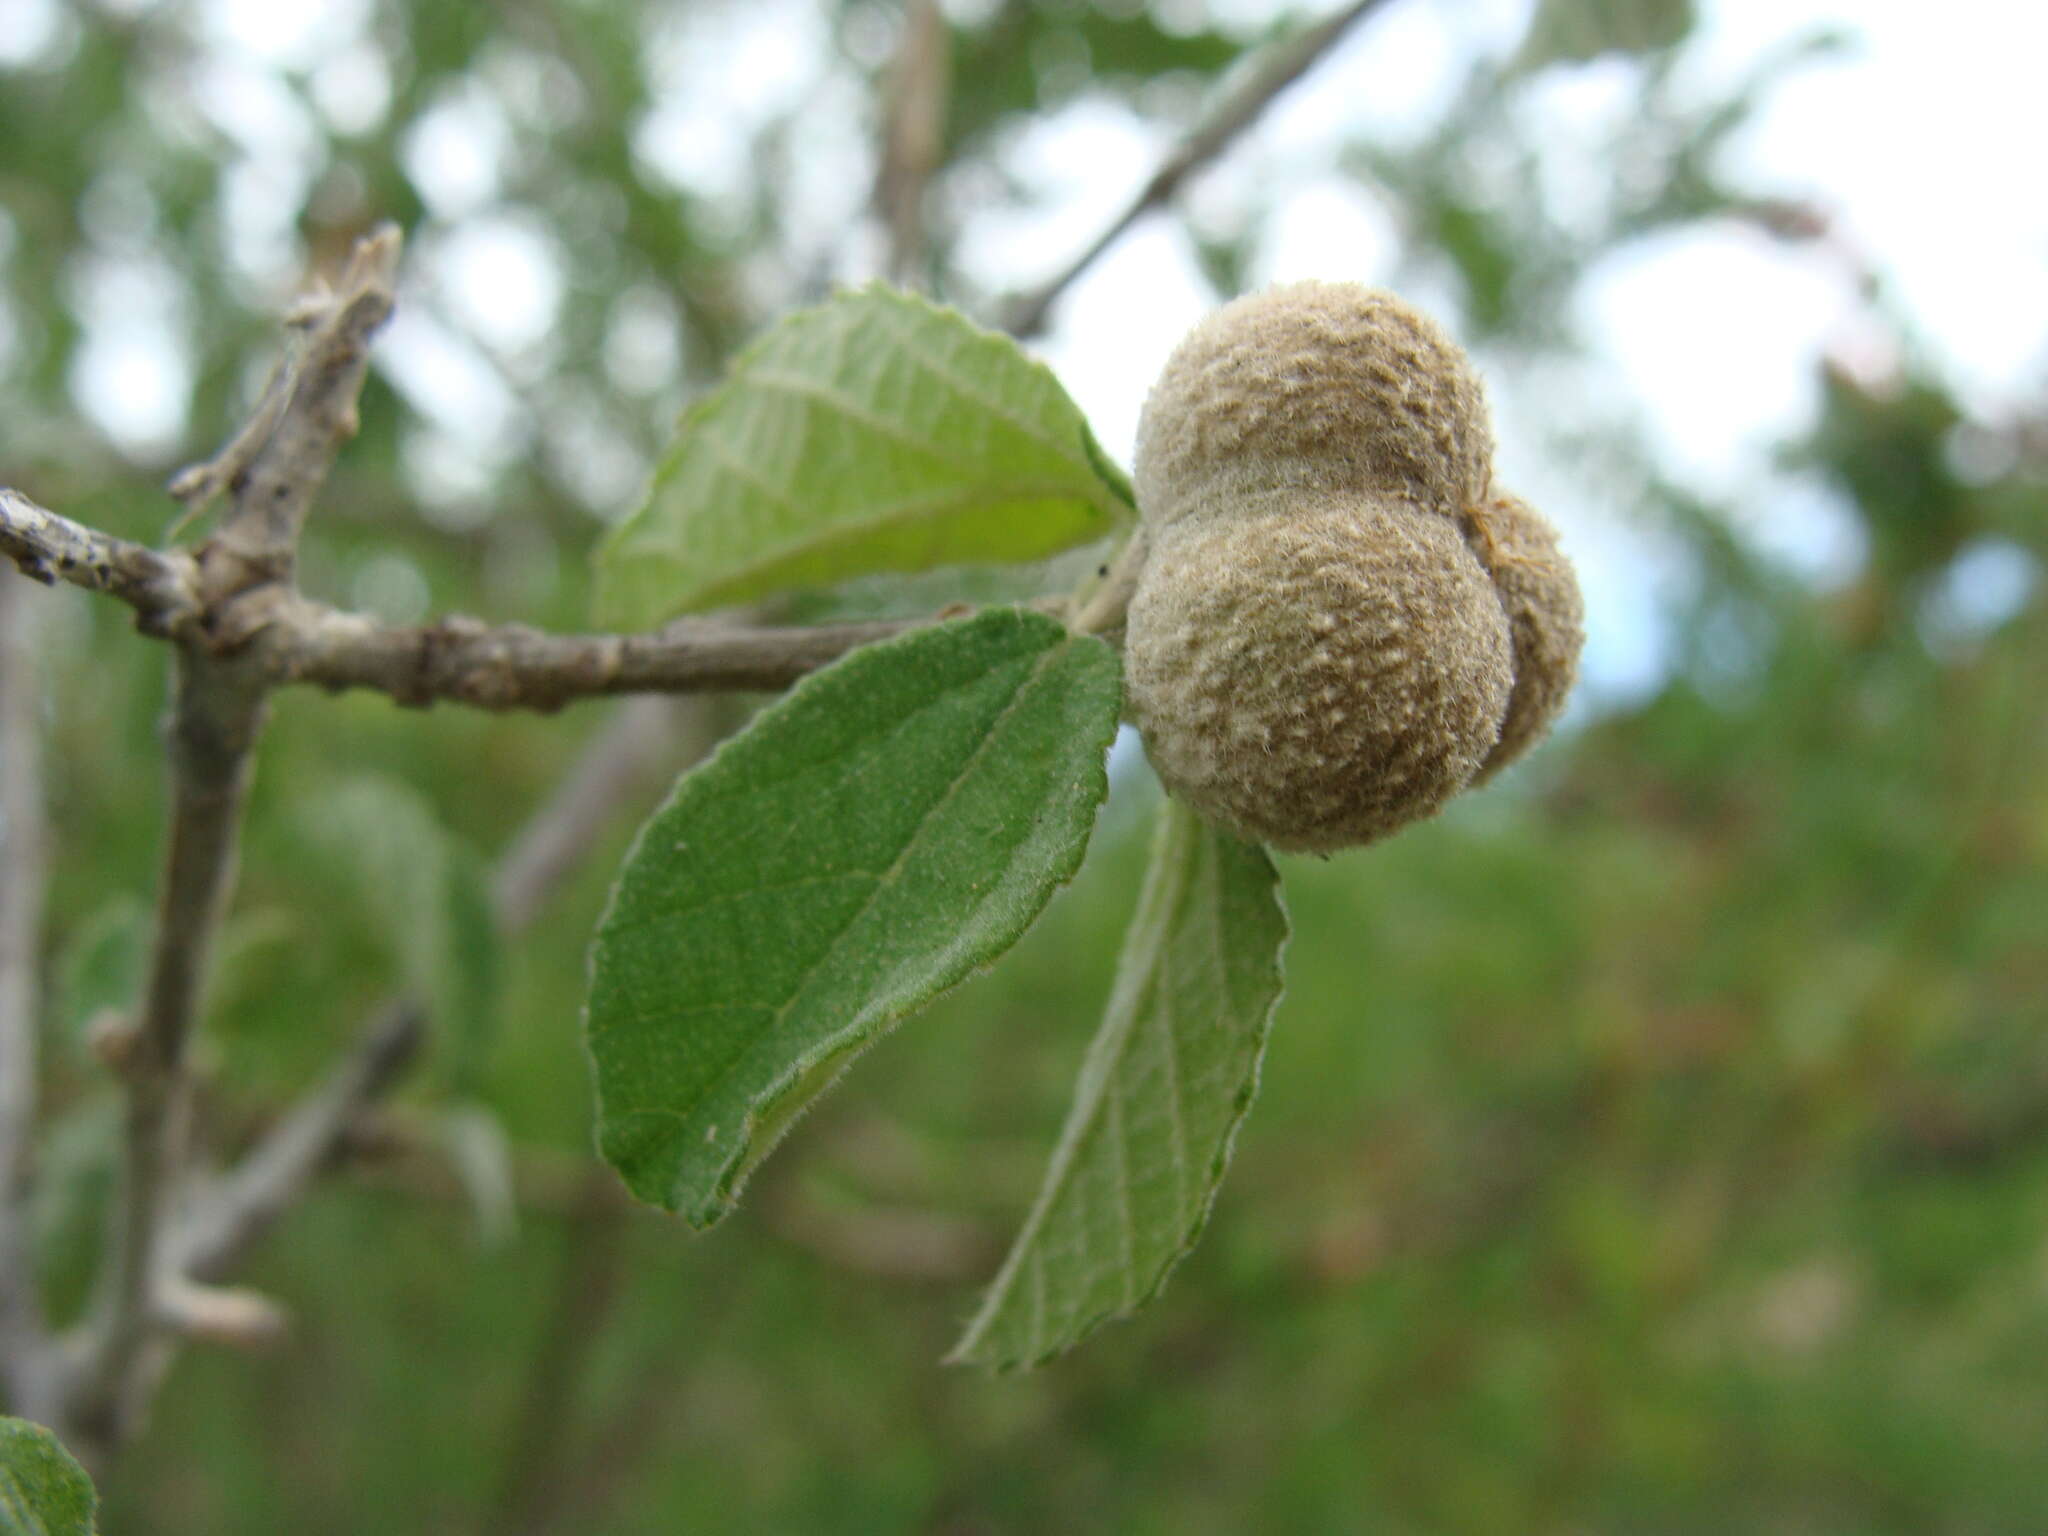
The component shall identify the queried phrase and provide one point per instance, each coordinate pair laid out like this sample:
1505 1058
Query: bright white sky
1923 144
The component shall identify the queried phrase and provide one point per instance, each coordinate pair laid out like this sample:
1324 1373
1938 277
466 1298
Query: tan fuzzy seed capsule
1332 387
1316 678
1339 624
1546 618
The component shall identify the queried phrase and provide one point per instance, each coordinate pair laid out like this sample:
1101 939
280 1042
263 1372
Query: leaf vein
913 348
809 973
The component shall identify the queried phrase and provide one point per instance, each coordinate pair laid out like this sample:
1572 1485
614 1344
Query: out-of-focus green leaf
43 1492
1167 1081
426 896
482 1156
1572 31
249 942
1885 447
102 964
1100 49
891 826
876 432
471 987
77 1166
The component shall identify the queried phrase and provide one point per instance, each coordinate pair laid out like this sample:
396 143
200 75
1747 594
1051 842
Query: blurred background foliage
1656 1143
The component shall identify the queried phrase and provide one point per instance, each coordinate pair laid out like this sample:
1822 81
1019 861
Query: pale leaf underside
1166 1083
876 432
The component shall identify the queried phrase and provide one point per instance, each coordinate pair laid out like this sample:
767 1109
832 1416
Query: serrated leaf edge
748 1151
1096 1071
1116 499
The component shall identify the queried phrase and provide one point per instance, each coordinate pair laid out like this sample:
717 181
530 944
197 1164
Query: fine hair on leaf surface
891 826
43 1491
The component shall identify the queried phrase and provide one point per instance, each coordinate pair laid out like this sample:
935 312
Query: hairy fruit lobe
1340 622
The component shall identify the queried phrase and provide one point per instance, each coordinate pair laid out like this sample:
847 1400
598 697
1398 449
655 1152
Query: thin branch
215 717
278 637
913 134
649 731
218 708
1284 64
1104 608
198 484
241 1207
512 666
274 485
229 1315
160 588
26 1361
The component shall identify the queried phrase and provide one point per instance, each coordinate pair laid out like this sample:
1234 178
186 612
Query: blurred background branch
1274 71
27 1361
217 712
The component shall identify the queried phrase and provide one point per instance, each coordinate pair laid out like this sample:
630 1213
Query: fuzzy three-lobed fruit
1340 622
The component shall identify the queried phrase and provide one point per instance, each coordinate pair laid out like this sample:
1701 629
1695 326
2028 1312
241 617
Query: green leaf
78 1160
1574 31
1005 53
43 1492
481 1154
101 967
426 896
253 946
876 432
892 825
104 962
1168 1079
468 990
